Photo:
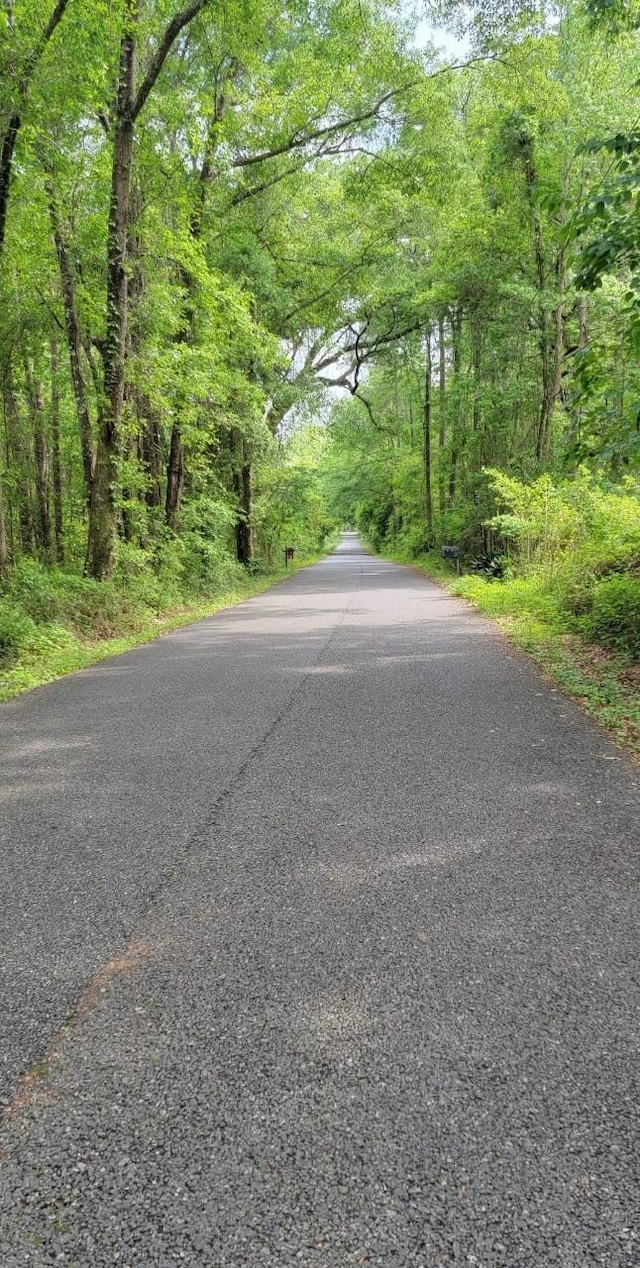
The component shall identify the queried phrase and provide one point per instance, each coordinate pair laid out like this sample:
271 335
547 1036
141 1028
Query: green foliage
526 598
614 16
16 628
575 528
34 589
539 520
576 546
608 226
614 619
91 609
291 506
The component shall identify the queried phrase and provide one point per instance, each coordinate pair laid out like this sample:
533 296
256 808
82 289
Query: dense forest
266 270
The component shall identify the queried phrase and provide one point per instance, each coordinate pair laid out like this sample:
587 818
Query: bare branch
355 391
351 268
341 380
252 190
299 139
173 30
56 17
366 350
329 358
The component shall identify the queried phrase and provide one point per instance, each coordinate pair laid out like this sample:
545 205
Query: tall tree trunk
575 407
7 150
4 547
103 515
150 450
550 361
476 366
74 338
133 520
21 465
427 438
175 479
103 503
583 313
129 517
243 489
442 403
552 365
244 543
41 459
56 472
456 361
542 425
176 469
246 480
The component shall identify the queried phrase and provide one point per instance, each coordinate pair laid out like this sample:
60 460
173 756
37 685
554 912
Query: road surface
319 947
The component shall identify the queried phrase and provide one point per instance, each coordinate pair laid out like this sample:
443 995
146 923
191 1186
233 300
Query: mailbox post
452 552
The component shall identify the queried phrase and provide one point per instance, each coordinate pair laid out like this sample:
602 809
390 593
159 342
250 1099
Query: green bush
258 568
104 609
576 595
15 631
33 590
614 619
573 532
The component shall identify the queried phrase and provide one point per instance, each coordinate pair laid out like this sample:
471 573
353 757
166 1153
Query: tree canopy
264 269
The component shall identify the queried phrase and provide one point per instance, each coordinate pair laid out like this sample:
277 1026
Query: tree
26 37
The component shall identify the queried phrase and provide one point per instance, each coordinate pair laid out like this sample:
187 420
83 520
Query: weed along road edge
319 947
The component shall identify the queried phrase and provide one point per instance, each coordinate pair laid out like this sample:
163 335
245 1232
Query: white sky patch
455 48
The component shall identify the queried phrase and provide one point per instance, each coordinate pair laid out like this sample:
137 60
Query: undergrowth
53 623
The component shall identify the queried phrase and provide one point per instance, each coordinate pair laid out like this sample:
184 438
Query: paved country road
319 947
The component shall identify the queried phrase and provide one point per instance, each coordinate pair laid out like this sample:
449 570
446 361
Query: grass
606 683
57 648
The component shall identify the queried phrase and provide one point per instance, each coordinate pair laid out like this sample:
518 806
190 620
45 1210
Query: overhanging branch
299 139
173 30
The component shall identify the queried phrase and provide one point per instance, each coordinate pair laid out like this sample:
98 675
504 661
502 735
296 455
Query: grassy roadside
606 683
58 648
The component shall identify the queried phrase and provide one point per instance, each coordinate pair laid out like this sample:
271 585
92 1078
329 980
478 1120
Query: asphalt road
318 925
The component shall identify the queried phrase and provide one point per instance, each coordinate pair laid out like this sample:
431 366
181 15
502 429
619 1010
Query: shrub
33 590
104 609
15 631
614 619
573 532
576 595
487 565
258 568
